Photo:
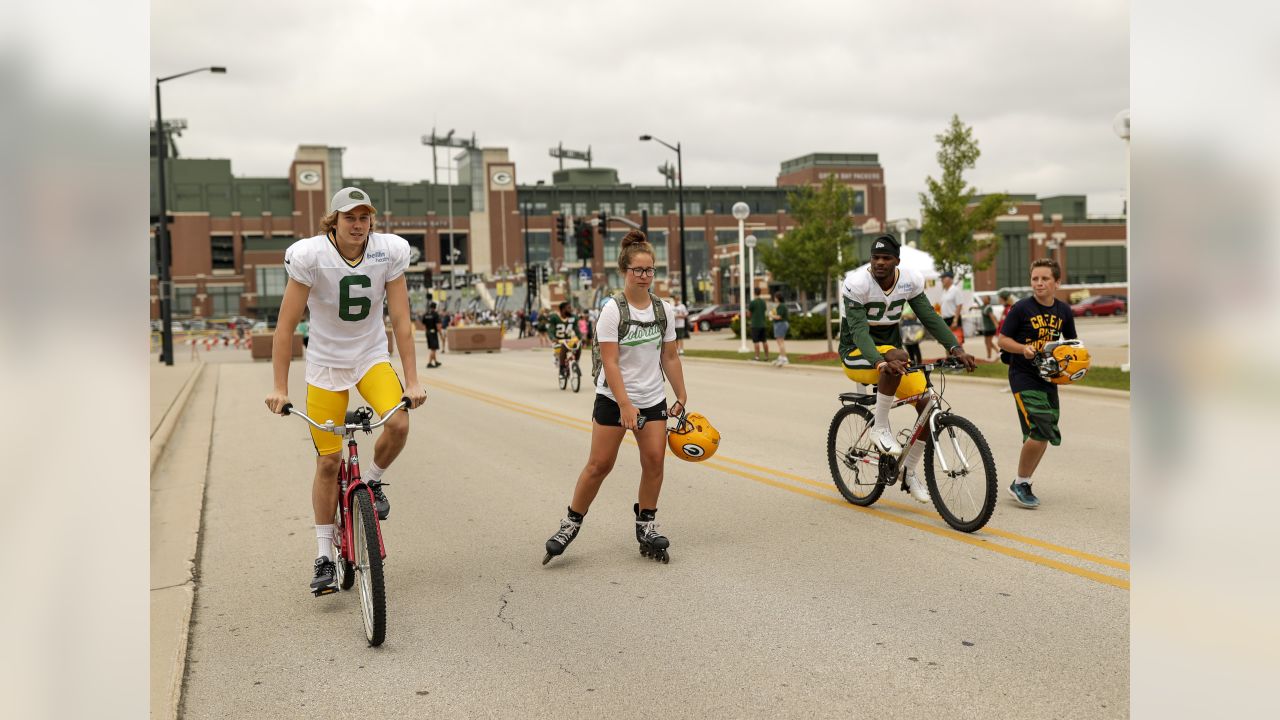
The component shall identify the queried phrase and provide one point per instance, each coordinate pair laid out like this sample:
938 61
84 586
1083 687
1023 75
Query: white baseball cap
348 198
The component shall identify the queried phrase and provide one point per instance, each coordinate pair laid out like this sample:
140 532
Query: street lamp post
162 233
751 264
684 267
740 212
1121 126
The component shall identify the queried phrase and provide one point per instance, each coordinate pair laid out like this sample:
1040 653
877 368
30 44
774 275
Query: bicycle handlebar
950 363
329 425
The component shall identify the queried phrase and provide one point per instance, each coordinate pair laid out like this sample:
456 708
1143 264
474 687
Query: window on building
693 208
620 208
657 208
859 202
417 241
606 208
183 300
566 208
642 207
271 280
226 299
1091 264
458 247
1013 262
539 246
580 209
223 251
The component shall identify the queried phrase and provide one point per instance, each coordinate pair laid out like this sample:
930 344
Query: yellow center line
723 464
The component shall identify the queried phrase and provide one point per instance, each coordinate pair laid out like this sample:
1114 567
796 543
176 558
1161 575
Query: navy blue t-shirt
1031 323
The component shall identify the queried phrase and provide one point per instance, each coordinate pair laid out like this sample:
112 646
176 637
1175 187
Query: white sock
883 403
324 541
374 472
913 455
1023 480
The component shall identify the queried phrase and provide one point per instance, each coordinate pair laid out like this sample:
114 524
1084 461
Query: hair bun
633 237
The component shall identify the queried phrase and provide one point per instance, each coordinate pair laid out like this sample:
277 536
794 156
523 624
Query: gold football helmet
1063 362
571 343
693 438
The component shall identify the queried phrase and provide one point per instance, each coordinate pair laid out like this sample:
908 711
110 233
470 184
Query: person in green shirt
781 324
304 329
561 326
758 314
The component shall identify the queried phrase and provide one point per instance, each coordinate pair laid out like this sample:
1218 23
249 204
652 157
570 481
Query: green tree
949 222
819 249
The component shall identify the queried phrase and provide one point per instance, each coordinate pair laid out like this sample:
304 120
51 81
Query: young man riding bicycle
343 277
871 343
561 326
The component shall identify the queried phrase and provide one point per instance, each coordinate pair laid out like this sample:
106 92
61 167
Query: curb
1101 392
160 438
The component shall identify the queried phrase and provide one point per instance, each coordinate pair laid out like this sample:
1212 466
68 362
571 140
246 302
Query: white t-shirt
950 301
682 312
638 355
347 334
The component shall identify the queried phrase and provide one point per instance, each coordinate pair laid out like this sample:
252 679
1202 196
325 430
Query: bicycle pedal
326 591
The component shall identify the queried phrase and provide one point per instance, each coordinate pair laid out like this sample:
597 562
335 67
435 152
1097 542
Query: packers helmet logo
1078 374
355 195
692 450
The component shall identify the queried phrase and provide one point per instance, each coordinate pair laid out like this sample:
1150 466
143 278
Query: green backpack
625 321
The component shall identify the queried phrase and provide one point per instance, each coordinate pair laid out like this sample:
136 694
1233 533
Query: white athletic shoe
884 439
918 488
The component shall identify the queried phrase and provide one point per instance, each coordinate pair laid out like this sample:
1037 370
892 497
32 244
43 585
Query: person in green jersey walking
758 314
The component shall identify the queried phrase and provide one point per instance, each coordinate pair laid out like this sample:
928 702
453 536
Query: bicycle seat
859 398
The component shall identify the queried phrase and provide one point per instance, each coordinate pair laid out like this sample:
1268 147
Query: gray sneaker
380 502
323 581
1022 493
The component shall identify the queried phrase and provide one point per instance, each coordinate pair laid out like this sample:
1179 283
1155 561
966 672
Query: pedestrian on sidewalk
304 329
682 322
781 325
431 322
758 311
988 325
637 352
950 306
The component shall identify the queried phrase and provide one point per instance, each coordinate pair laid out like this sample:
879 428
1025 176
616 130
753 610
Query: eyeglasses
641 272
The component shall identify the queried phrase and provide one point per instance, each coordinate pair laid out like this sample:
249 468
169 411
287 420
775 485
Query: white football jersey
883 308
346 299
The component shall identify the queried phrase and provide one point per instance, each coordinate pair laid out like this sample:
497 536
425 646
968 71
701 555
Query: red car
715 317
1101 305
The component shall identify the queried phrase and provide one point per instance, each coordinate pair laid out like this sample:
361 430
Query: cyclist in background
343 278
562 325
871 343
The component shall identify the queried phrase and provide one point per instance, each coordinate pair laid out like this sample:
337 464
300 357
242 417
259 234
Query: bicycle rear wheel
965 493
577 378
854 463
368 564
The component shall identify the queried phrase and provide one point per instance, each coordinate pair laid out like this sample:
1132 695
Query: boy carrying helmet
1031 340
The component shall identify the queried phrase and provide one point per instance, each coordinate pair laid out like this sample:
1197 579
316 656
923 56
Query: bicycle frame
349 483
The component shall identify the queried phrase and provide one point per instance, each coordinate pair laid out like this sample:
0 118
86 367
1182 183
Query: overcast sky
742 85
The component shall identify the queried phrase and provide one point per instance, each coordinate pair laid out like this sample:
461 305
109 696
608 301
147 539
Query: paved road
780 600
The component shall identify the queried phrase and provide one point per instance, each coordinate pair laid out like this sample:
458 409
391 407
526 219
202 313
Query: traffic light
604 226
585 237
560 234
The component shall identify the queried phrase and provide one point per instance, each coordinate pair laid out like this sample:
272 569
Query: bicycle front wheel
577 378
964 491
855 466
368 566
564 377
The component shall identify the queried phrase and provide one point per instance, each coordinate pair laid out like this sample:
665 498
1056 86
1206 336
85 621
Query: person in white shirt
682 323
636 356
343 278
950 305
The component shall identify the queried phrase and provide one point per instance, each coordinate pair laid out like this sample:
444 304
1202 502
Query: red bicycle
356 528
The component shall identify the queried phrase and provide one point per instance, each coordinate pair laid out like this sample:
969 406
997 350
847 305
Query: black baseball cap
886 245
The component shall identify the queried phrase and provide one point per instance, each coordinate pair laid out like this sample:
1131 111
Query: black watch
954 348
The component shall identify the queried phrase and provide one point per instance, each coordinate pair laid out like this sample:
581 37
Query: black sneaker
1022 493
380 501
324 581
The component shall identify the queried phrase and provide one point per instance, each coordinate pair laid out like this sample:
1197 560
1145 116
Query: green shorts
1038 415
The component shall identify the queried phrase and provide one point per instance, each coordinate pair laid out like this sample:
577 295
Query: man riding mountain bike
871 343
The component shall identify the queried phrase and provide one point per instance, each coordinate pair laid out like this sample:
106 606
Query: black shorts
757 335
607 412
988 333
433 341
682 333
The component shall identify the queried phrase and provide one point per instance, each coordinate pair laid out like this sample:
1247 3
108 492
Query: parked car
1101 305
794 307
260 326
716 317
197 325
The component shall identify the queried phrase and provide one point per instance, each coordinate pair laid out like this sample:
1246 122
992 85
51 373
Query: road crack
502 609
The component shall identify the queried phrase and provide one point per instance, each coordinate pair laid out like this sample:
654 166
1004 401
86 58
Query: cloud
743 86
